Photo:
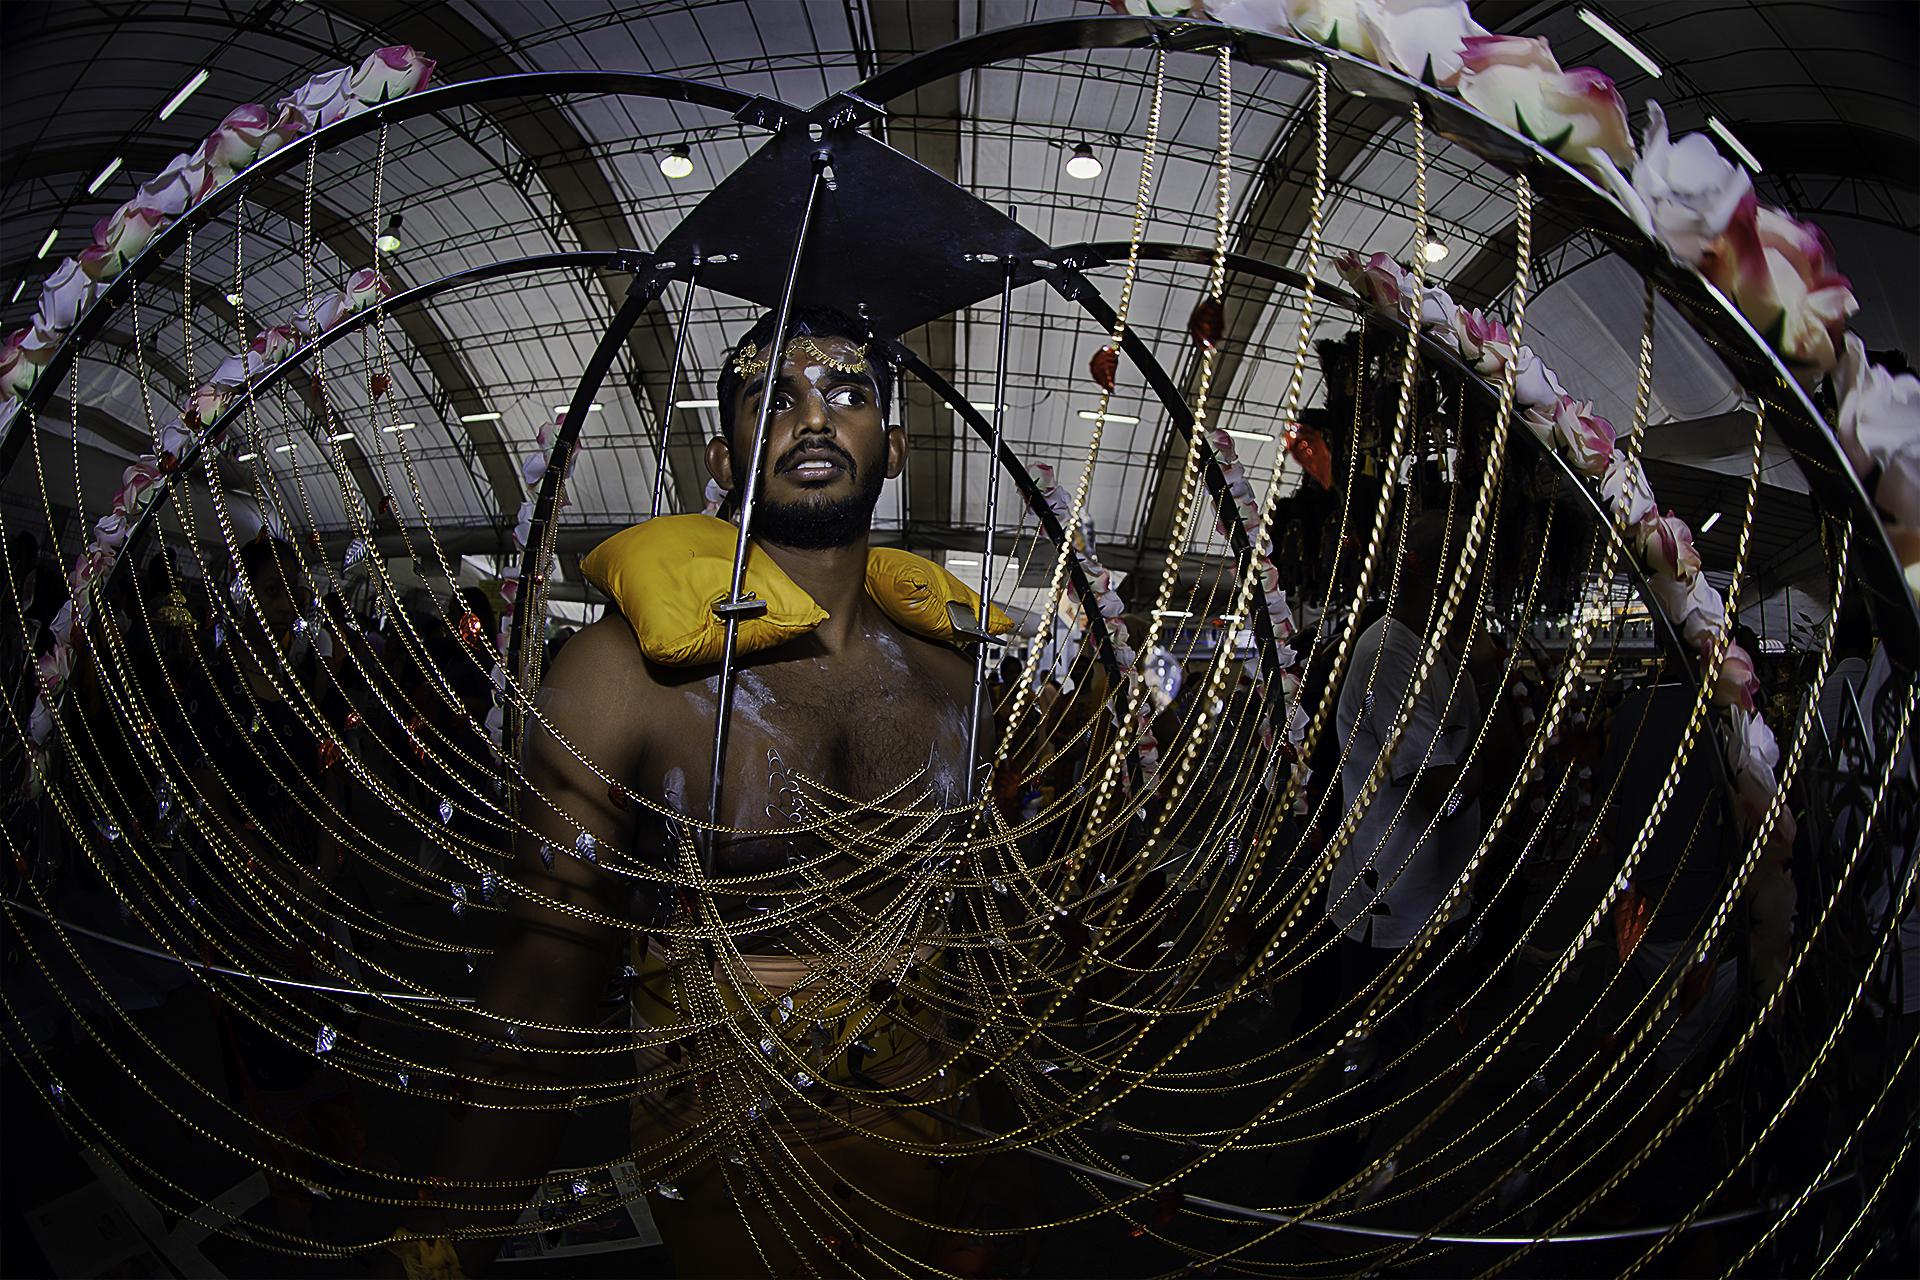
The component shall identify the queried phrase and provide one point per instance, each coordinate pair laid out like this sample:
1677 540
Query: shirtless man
859 704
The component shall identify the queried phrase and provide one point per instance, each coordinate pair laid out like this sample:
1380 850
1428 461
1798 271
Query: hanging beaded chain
1022 951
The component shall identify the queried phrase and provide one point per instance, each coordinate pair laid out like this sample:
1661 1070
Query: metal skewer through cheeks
738 607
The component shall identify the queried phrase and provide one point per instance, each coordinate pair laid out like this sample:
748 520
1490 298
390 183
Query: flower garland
1777 271
248 133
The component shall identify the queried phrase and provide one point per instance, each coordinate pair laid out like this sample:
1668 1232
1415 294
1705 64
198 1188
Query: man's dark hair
808 322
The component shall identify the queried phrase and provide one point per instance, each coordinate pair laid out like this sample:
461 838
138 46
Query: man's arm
553 966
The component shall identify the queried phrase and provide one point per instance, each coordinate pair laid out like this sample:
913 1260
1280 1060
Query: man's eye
852 397
782 402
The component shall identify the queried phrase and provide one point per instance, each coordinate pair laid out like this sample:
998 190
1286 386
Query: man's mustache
802 452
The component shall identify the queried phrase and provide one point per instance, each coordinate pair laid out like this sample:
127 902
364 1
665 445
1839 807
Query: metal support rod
733 609
986 550
673 389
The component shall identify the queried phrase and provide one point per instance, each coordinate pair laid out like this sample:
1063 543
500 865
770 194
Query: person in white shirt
1424 818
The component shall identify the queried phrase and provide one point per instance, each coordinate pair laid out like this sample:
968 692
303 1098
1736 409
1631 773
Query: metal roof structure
1823 94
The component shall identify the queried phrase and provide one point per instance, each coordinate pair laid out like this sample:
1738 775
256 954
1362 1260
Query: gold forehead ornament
750 362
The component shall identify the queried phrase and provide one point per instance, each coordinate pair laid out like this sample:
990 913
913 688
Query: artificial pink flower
119 237
1780 273
1342 24
322 100
288 125
1426 39
40 724
111 530
248 124
1534 384
137 484
65 295
1379 279
1667 546
533 467
175 440
1438 311
1695 607
1683 194
1737 685
1752 752
392 72
1483 341
1577 114
178 187
1879 426
18 372
87 566
56 668
274 345
1624 487
205 404
364 288
1583 436
1274 17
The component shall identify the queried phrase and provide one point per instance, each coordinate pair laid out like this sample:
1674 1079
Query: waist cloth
839 1023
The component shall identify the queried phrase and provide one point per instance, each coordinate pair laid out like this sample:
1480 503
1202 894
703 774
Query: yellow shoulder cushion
916 592
667 574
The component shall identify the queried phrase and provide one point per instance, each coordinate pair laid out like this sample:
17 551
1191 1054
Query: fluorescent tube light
1171 613
186 91
561 408
400 426
338 436
1093 416
247 457
113 167
1612 36
48 242
488 416
1258 437
17 291
1739 148
696 404
1712 520
286 448
963 564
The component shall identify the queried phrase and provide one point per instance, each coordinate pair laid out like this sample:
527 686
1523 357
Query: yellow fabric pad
667 574
915 593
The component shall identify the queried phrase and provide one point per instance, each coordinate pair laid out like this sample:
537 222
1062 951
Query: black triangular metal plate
890 234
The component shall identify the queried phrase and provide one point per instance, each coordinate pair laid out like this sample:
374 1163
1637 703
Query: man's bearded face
829 449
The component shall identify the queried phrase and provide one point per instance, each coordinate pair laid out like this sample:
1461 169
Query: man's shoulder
601 665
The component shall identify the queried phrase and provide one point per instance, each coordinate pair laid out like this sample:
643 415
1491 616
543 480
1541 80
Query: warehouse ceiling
1823 94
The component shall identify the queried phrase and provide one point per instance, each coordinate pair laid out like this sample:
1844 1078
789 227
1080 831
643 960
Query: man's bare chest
863 725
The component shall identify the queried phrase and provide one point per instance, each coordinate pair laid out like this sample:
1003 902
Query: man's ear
720 462
896 451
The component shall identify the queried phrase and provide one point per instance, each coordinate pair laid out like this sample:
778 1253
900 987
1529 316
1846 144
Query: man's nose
812 416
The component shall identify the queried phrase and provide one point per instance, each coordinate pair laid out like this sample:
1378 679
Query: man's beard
815 524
